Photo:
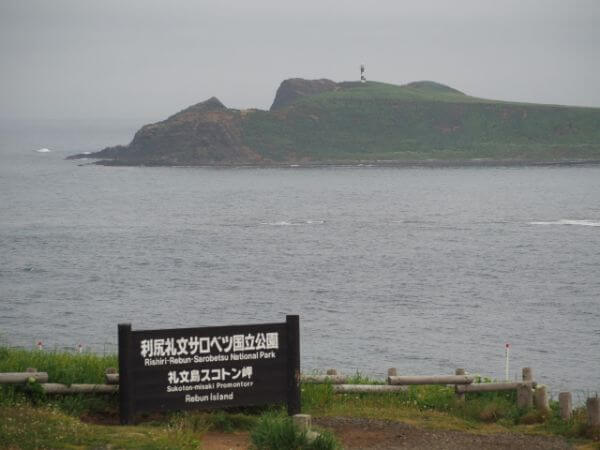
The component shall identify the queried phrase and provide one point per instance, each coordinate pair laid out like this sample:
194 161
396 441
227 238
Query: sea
422 269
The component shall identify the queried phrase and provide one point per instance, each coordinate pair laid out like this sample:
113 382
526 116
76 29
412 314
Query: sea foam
285 223
583 223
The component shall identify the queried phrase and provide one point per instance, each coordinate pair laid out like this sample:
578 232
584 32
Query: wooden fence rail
32 375
333 379
23 377
528 391
423 380
491 387
56 388
366 388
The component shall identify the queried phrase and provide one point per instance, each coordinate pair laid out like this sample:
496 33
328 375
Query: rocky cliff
290 90
205 133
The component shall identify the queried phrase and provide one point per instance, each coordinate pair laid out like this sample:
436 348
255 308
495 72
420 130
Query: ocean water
421 269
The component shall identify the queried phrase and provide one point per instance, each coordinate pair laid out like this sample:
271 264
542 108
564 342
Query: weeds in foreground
278 432
27 427
432 406
437 406
200 422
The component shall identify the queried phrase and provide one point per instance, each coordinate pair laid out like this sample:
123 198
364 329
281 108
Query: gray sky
148 59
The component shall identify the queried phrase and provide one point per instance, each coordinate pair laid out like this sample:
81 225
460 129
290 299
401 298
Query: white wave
44 150
583 223
284 223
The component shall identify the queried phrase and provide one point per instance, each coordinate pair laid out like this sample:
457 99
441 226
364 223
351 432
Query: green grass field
29 419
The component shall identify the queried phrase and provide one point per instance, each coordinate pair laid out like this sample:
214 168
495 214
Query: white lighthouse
363 79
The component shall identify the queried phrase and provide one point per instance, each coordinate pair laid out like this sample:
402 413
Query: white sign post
506 356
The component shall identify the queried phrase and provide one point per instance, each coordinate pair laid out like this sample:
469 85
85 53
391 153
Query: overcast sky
148 59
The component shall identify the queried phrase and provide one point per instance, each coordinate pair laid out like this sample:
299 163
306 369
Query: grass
276 432
27 427
62 367
436 407
66 367
384 121
28 419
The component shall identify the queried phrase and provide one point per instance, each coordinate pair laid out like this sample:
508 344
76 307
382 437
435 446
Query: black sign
209 368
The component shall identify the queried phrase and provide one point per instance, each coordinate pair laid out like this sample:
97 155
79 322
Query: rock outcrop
432 86
290 90
205 133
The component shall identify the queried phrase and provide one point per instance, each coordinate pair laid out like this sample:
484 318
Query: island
319 122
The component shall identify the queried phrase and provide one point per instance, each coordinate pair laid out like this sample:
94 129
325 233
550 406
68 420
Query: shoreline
428 163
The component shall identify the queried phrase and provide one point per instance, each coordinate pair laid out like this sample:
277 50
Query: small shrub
274 432
317 396
505 422
359 378
433 397
325 441
492 412
226 422
195 422
489 407
277 433
532 416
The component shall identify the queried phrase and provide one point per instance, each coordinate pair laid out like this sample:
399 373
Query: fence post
524 395
331 372
459 395
392 372
565 402
527 374
593 411
541 398
302 421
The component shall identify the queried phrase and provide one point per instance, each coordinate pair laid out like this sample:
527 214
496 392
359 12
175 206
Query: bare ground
225 441
358 433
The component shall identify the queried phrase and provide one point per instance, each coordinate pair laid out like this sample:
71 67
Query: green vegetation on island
323 122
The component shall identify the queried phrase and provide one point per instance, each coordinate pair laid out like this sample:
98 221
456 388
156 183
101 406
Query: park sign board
209 368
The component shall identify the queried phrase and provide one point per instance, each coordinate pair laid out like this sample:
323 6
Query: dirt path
357 433
371 434
367 434
225 441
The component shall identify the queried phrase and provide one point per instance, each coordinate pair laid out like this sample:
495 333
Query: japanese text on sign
206 375
208 345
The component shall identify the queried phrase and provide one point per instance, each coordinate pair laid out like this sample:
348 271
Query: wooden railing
529 393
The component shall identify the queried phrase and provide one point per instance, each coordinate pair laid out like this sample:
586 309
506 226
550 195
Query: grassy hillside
422 120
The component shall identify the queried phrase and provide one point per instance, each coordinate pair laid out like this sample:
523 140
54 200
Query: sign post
209 368
293 376
506 360
125 409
